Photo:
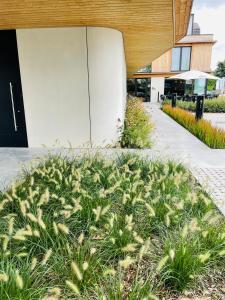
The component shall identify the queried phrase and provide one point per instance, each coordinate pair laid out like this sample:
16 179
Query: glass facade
176 58
181 57
185 61
199 87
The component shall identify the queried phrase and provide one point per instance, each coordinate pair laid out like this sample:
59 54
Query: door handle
13 108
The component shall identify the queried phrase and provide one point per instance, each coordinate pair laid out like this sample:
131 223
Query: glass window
176 52
185 61
181 57
199 87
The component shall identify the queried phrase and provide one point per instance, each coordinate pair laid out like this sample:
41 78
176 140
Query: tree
211 85
220 70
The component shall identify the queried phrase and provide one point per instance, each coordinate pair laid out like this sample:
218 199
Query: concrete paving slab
217 119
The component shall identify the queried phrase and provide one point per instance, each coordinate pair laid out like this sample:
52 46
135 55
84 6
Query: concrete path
174 142
217 119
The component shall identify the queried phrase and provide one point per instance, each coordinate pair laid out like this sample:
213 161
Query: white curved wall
107 73
74 85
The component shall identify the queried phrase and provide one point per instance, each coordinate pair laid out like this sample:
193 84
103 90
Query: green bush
137 126
90 228
216 105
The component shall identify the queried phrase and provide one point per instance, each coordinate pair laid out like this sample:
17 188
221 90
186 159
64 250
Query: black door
12 119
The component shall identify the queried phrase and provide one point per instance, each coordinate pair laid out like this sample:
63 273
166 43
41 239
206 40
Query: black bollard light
199 108
174 100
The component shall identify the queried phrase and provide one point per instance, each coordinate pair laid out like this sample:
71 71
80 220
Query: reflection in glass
176 58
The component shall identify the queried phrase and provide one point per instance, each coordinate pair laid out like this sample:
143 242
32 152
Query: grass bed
212 136
216 105
90 228
138 126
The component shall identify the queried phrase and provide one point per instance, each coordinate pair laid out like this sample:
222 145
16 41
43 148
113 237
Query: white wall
58 97
107 84
157 85
53 65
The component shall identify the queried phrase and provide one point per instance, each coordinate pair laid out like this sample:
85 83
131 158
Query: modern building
193 52
64 64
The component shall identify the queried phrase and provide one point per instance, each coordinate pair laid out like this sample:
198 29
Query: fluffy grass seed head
19 280
162 263
46 257
97 212
127 262
109 272
53 294
204 257
85 266
73 287
81 238
4 277
55 228
150 210
33 263
11 226
5 242
129 222
63 228
184 231
129 248
172 254
32 217
76 271
222 253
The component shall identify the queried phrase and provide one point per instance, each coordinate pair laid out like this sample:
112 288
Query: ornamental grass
91 228
216 105
137 126
212 136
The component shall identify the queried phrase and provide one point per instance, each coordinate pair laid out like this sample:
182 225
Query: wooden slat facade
200 58
147 25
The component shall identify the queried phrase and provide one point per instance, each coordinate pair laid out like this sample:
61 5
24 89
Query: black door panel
12 119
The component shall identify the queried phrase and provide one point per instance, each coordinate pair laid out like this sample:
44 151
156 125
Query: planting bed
91 228
212 136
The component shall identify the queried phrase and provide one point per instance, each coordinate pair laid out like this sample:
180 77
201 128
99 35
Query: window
181 57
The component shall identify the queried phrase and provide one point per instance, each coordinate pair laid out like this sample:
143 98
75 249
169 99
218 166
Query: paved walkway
217 119
174 142
171 141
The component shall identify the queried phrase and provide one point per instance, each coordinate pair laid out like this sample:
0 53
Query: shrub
137 126
216 105
202 129
90 228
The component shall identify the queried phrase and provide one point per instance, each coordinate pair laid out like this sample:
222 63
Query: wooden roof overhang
149 27
153 75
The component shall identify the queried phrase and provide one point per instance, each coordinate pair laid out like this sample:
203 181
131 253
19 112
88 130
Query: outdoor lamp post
174 100
199 108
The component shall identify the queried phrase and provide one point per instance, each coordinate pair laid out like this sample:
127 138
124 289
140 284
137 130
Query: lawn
94 228
216 105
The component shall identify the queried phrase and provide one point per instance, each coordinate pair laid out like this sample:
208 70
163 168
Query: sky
210 15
